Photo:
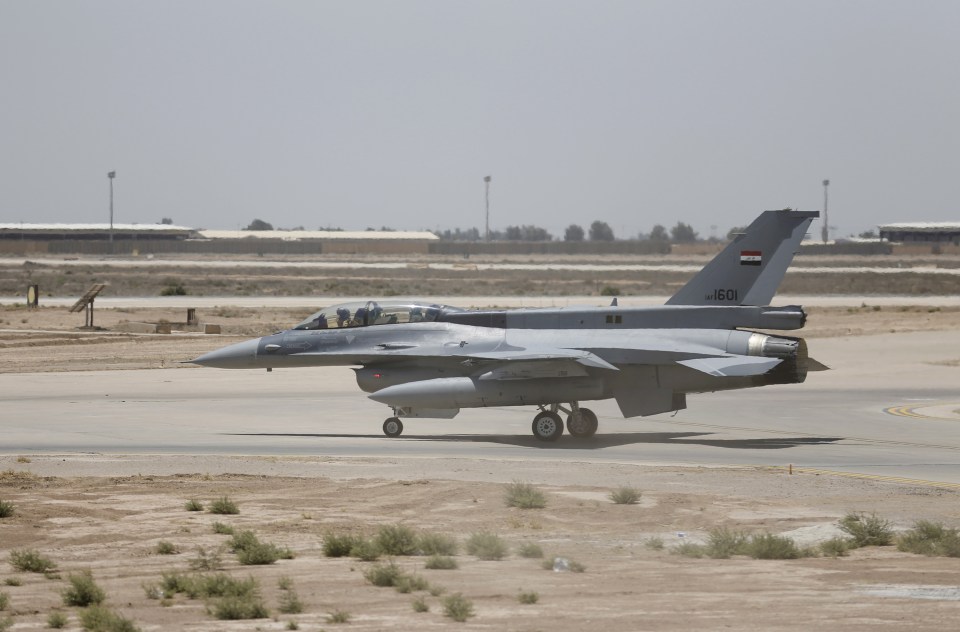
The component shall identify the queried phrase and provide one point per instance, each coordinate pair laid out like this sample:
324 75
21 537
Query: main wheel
392 427
547 426
583 425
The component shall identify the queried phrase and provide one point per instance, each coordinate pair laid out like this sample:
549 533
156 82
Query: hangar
921 232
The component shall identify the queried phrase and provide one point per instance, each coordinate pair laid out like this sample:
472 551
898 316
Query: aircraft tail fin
749 270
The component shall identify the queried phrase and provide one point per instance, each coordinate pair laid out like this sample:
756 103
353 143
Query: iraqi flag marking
750 257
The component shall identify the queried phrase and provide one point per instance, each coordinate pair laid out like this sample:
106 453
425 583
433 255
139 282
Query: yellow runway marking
874 477
911 411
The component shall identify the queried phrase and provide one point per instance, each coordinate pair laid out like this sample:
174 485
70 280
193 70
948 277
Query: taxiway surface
889 408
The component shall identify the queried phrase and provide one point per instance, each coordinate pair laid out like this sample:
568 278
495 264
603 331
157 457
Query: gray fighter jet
428 360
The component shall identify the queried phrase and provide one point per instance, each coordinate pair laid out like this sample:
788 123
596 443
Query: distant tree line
681 233
597 231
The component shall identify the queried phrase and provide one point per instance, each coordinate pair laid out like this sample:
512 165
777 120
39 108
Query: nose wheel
393 427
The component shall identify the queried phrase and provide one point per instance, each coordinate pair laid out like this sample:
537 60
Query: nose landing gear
393 427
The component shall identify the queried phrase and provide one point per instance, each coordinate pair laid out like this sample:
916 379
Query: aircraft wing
585 358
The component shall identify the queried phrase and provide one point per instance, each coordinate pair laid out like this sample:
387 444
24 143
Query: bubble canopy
367 313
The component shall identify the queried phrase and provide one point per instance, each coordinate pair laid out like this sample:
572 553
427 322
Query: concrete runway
888 409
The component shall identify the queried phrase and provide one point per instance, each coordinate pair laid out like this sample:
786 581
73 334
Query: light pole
825 232
110 176
486 184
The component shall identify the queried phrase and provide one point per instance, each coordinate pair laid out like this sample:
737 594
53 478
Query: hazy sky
358 114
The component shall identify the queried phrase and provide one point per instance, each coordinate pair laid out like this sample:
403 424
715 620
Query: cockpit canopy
366 313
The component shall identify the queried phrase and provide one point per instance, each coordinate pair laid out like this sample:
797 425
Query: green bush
486 546
530 550
208 586
13 581
420 605
6 509
524 496
867 530
193 505
251 551
457 607
835 547
441 563
173 583
689 549
173 290
56 620
436 544
930 538
166 548
724 542
243 540
29 560
99 618
260 554
223 529
290 603
768 546
410 583
396 539
338 616
83 591
383 574
339 545
207 560
654 543
233 608
528 598
365 550
224 506
4 600
625 496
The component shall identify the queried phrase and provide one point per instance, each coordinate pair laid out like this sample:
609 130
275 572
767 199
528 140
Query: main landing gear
548 426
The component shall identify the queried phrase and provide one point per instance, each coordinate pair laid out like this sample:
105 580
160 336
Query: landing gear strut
581 422
393 427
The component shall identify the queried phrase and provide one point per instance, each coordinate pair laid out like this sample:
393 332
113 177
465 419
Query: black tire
393 427
547 426
588 424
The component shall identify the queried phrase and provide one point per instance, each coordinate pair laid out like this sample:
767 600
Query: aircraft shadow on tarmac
596 442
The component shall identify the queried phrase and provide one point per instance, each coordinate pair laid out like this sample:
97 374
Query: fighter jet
426 360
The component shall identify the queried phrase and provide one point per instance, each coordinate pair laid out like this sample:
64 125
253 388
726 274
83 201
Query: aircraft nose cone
241 355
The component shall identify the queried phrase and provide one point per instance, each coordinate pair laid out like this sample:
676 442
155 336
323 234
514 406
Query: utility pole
486 184
110 176
825 232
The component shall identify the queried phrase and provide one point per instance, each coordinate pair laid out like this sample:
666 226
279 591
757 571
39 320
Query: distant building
921 232
93 239
323 235
101 232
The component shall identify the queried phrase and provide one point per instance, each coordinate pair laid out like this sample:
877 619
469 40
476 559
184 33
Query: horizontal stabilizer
732 366
813 365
